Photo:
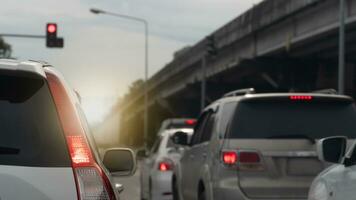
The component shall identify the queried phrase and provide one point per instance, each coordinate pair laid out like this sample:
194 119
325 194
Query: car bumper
237 194
162 186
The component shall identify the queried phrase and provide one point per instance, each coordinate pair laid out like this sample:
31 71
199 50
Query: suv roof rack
43 63
326 91
240 92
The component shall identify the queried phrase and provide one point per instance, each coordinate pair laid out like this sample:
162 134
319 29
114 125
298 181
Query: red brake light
190 122
229 157
164 166
301 98
91 181
249 157
51 28
79 151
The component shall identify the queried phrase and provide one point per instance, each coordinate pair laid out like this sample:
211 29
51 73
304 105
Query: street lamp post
145 23
341 74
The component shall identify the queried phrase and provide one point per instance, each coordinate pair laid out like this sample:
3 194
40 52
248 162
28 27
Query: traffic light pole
203 83
23 36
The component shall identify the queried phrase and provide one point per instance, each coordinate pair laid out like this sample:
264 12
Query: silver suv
46 149
259 146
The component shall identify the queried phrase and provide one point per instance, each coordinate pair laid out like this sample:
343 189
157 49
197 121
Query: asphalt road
131 186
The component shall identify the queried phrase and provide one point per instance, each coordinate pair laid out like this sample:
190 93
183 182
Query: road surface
131 185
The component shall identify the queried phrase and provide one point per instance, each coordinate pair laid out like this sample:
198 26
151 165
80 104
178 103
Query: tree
5 49
135 88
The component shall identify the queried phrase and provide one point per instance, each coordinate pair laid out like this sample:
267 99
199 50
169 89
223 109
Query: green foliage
135 88
5 49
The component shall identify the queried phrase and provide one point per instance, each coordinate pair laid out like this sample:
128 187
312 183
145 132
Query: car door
189 165
148 166
202 155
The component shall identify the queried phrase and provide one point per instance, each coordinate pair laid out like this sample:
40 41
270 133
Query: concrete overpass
278 45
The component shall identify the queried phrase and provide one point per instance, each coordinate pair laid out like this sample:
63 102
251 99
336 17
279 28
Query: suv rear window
31 134
311 120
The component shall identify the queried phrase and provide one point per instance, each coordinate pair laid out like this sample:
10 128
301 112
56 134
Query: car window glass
226 115
292 120
31 133
199 128
208 128
156 145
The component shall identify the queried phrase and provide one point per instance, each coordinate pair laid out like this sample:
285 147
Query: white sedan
156 170
337 182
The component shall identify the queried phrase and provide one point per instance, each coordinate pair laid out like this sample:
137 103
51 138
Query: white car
46 149
338 182
156 170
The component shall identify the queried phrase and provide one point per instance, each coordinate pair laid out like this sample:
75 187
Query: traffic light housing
211 48
52 41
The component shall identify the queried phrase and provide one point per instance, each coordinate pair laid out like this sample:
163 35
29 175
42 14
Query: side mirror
180 138
332 149
120 161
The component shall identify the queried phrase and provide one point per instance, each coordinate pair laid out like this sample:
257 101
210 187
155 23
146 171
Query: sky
104 54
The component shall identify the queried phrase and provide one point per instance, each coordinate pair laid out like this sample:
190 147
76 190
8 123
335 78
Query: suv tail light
90 184
229 157
243 160
91 181
249 157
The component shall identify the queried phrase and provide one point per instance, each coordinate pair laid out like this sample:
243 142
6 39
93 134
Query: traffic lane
131 186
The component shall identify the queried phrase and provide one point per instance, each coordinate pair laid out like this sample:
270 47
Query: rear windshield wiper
9 150
312 140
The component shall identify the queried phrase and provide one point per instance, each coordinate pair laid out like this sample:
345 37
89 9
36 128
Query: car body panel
284 163
40 183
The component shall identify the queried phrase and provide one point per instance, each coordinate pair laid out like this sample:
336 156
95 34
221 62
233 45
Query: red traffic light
51 28
52 41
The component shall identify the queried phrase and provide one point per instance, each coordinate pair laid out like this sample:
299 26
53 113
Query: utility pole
211 52
341 74
203 83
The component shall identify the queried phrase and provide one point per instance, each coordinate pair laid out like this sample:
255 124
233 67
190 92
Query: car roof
23 66
172 131
272 96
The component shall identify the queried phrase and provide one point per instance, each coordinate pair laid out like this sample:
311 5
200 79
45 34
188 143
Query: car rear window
31 134
179 125
293 120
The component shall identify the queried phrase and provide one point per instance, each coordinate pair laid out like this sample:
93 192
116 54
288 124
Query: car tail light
242 160
229 157
249 157
164 166
301 98
92 183
191 122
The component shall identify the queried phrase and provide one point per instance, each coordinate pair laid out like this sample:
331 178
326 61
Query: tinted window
30 130
293 119
199 128
208 129
227 112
